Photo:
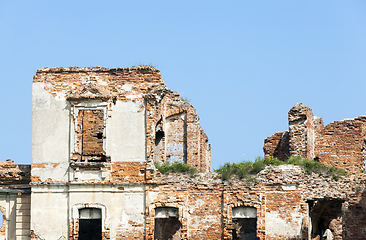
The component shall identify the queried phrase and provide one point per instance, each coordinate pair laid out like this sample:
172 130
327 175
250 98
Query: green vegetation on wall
167 168
248 169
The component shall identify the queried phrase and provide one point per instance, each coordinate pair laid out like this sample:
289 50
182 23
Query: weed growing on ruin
167 168
316 167
248 169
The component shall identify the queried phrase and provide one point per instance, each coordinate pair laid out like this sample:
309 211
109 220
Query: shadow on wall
355 216
167 224
326 218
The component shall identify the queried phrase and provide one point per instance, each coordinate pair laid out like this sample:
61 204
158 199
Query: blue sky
242 64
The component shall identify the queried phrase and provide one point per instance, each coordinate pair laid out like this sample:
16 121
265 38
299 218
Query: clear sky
242 64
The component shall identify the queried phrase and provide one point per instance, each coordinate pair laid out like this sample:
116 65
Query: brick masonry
340 143
129 191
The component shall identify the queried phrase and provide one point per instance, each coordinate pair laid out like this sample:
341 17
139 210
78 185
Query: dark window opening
167 229
167 224
244 223
90 229
90 224
159 150
159 135
245 228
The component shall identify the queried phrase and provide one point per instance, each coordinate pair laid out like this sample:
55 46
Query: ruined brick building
97 133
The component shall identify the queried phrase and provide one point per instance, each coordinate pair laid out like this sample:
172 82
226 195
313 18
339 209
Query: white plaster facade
55 206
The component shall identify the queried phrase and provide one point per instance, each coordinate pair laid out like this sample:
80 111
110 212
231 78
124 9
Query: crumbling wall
326 216
12 173
288 203
277 146
107 127
101 90
174 133
240 194
340 144
176 138
354 218
301 131
284 198
199 206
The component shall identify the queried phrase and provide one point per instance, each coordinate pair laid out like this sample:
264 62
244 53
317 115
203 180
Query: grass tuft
167 168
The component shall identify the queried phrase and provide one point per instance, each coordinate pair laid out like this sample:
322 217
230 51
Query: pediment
90 91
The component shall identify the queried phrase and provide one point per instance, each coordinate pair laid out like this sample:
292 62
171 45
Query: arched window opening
167 224
244 223
159 142
158 137
90 224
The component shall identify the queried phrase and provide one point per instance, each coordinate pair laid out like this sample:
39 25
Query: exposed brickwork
287 203
289 209
93 128
301 131
11 173
184 139
281 196
355 216
340 144
176 138
74 231
277 145
128 172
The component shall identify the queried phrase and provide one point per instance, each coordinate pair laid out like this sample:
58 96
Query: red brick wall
93 124
277 146
355 217
340 144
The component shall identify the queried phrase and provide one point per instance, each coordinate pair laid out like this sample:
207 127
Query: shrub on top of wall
176 167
